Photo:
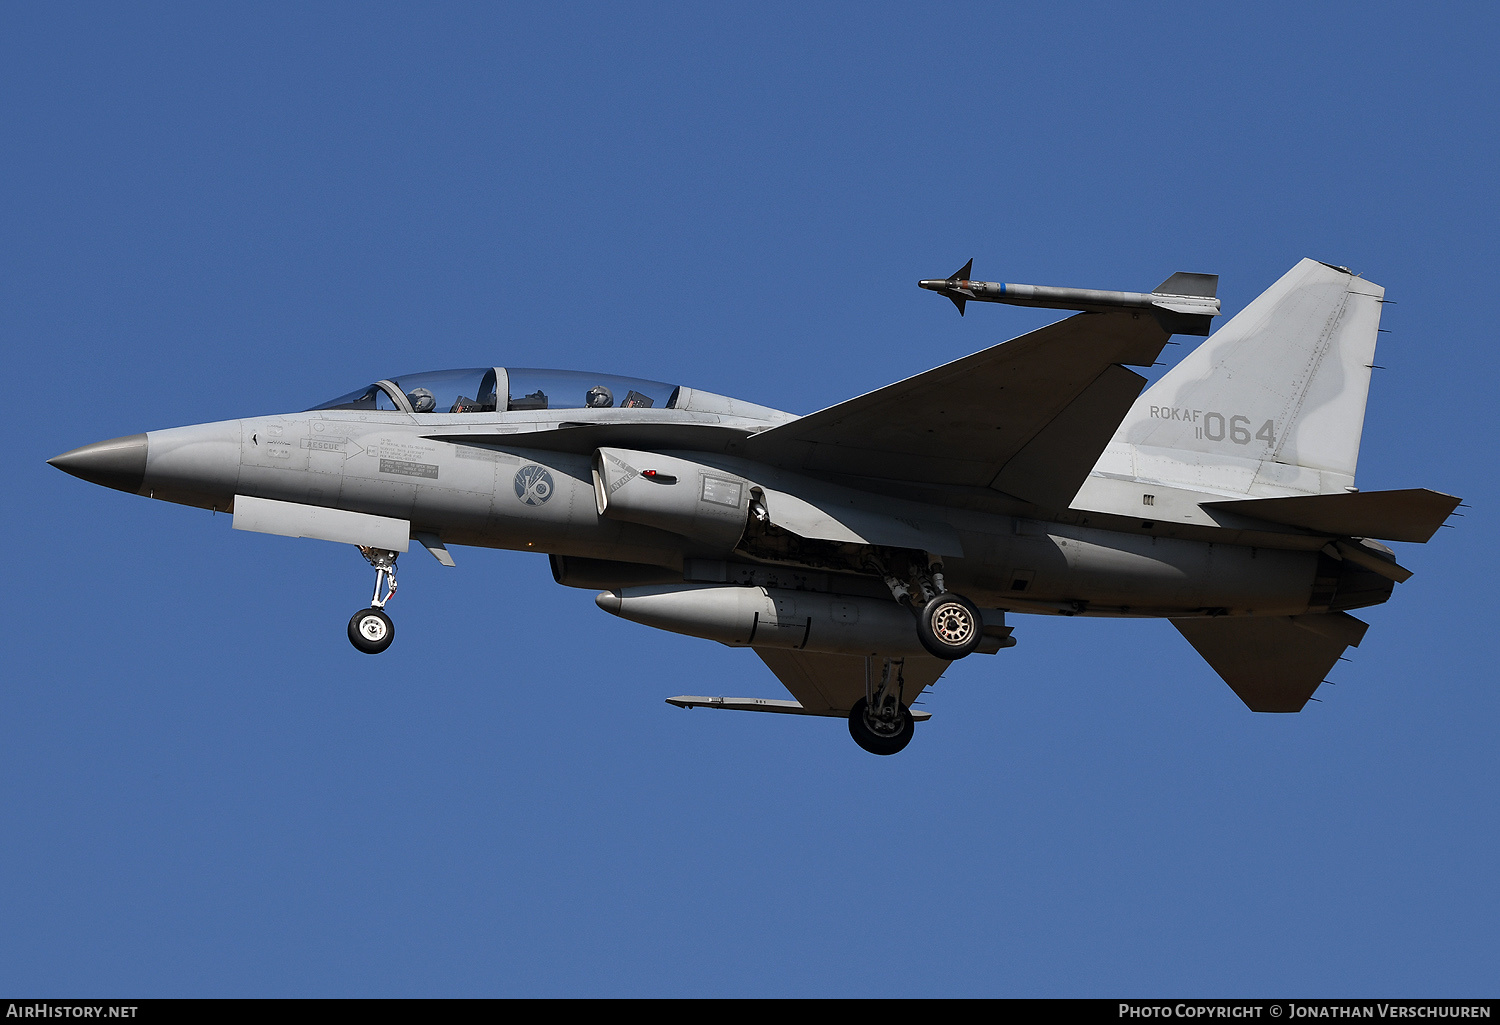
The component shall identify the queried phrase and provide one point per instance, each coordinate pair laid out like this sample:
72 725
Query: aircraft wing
1028 417
825 684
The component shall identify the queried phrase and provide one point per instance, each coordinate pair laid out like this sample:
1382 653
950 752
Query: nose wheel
371 630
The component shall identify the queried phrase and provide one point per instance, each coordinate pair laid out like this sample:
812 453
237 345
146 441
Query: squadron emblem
533 484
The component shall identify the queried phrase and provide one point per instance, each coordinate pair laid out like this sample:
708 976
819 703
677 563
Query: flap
1050 470
1274 663
825 684
1414 514
965 422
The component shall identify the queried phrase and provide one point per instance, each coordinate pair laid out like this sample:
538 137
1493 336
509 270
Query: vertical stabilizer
1272 404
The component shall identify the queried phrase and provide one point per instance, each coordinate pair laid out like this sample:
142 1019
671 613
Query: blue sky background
210 211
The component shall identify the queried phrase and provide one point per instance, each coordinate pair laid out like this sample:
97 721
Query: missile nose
119 463
936 285
609 601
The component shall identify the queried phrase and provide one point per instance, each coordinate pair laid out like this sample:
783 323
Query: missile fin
962 274
1203 285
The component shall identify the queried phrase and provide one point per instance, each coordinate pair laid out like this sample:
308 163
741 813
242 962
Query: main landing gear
949 625
879 722
371 630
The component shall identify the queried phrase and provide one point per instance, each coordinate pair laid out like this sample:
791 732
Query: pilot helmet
599 397
421 400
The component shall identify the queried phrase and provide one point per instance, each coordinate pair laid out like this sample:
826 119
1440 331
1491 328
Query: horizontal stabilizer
762 705
1414 514
1274 663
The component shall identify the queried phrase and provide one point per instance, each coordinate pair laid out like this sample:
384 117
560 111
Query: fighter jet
862 549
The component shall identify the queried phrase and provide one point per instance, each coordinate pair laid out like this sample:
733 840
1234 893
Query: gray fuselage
464 478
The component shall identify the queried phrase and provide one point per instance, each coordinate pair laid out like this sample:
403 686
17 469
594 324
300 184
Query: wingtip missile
1184 303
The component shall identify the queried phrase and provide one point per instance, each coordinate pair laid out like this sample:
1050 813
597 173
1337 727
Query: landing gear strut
879 722
371 630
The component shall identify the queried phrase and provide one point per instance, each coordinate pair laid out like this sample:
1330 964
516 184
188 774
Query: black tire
950 626
879 743
371 631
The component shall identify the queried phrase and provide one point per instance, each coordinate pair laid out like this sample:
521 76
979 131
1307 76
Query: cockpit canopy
476 390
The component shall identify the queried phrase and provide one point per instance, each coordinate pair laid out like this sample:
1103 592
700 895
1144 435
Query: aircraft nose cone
119 463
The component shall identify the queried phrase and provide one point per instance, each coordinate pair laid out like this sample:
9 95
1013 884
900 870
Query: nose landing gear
371 630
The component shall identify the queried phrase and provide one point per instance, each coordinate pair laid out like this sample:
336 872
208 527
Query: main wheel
876 736
371 631
950 626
